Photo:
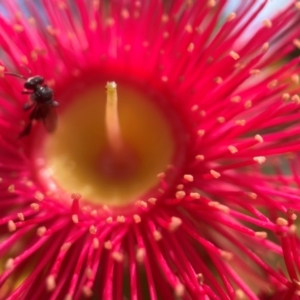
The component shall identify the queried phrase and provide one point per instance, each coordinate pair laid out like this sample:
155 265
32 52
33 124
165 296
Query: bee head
33 82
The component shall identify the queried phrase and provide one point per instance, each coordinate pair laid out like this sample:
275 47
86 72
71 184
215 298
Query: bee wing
33 115
26 130
48 114
50 120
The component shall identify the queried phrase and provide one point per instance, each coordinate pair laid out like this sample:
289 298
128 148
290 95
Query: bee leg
27 92
26 130
34 114
27 106
52 103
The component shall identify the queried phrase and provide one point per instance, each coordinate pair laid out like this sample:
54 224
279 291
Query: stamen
9 264
21 216
137 218
109 220
117 256
152 200
195 195
174 224
157 235
200 278
75 218
140 255
87 292
50 283
35 206
108 245
41 231
11 226
180 195
179 290
93 229
96 243
39 196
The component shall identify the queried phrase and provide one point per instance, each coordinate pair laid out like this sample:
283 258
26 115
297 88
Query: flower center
110 145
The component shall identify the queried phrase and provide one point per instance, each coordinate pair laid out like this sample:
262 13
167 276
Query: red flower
221 225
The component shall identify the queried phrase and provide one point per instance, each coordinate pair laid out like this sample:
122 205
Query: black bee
42 103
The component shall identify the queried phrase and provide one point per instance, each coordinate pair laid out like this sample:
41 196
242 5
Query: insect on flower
42 102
